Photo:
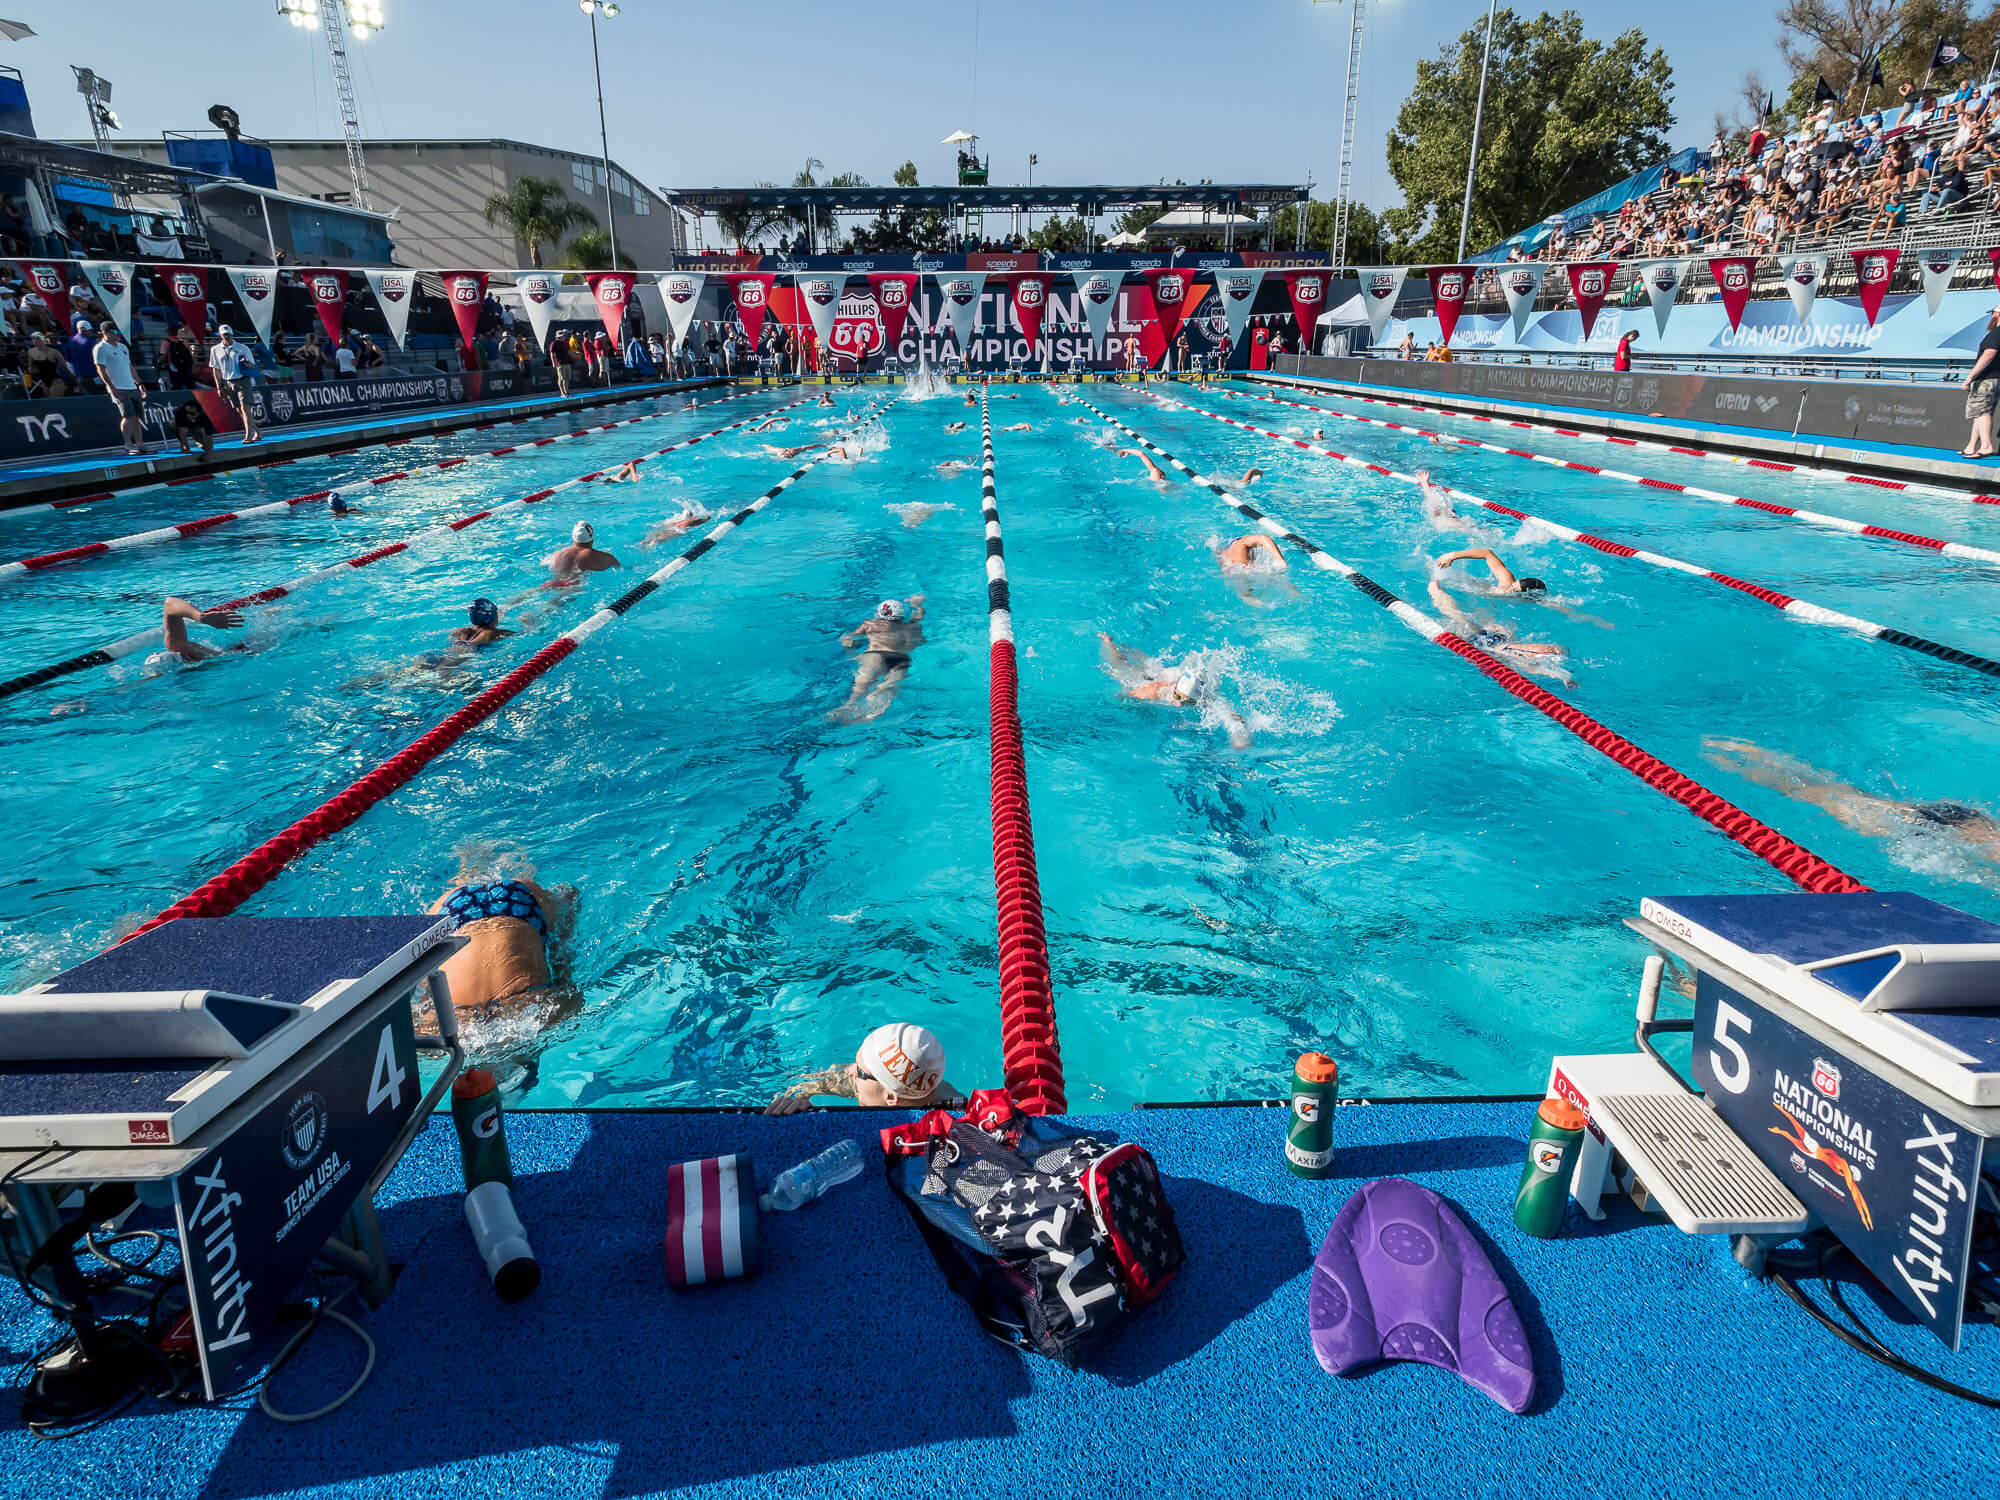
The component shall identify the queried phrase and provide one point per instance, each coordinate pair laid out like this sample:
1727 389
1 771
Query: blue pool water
1405 867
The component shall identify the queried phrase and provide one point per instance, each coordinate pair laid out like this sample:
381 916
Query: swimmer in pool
1504 581
825 398
971 400
174 618
887 638
771 424
951 468
805 448
443 666
674 526
1182 685
1540 658
1970 828
953 427
505 966
336 505
1250 477
916 512
567 565
629 474
1153 470
1248 556
1018 427
895 1067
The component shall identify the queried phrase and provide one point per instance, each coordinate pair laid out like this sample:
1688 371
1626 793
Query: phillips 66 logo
1169 289
1310 288
1098 289
1028 293
256 285
1874 268
1735 277
749 294
325 289
187 287
681 289
1591 283
1235 288
610 291
464 289
893 294
46 279
1451 286
824 292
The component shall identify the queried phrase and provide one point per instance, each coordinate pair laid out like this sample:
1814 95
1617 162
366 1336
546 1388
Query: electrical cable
328 1308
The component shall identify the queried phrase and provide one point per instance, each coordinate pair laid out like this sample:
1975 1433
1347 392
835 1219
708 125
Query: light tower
97 99
1344 189
333 17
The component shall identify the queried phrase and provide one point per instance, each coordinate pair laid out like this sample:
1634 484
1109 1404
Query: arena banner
538 290
1307 290
465 290
1589 285
1872 268
329 295
1803 275
1029 292
46 280
1098 291
1237 291
680 291
1380 287
1518 284
612 291
961 292
752 295
821 295
1732 275
1449 285
188 287
257 289
393 291
1170 301
1937 266
893 291
112 281
1664 280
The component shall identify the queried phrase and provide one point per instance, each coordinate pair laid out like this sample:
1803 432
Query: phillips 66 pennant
257 289
1590 284
1732 275
1308 294
681 291
961 291
329 294
189 289
821 295
112 281
538 300
1098 291
46 281
613 293
1873 268
1937 265
1380 287
893 291
1663 280
465 290
1803 275
1170 299
1519 283
393 290
752 295
1030 291
1237 289
1449 285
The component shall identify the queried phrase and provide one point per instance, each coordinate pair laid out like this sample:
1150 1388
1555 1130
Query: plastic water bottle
814 1179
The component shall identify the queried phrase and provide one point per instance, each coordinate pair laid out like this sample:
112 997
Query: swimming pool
1405 867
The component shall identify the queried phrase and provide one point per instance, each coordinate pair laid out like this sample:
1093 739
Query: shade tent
1350 314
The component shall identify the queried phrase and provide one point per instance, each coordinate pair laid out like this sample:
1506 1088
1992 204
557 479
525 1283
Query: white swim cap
582 535
1187 682
889 609
906 1060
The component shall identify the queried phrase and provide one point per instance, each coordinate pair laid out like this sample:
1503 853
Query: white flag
393 291
112 281
821 295
257 288
538 291
1098 291
1803 274
1520 282
1237 287
1664 280
961 292
1937 267
681 291
1380 287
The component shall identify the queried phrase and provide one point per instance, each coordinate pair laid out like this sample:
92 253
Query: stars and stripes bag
1054 1238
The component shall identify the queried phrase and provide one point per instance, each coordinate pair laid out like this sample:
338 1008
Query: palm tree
536 209
743 224
591 251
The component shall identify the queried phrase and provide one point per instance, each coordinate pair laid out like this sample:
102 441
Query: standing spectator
114 367
281 352
1982 386
559 362
345 364
1622 360
79 349
371 355
234 367
43 372
1181 352
712 346
312 358
503 352
1408 348
177 359
600 349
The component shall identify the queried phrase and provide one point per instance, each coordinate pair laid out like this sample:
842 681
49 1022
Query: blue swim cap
336 504
485 613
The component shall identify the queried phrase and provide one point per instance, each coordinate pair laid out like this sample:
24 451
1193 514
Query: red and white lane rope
180 529
225 892
1799 609
144 639
1027 1000
1790 512
1791 859
249 470
1845 476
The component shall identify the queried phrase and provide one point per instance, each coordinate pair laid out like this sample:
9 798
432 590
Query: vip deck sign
1380 287
112 281
393 290
681 292
1873 269
1449 285
329 297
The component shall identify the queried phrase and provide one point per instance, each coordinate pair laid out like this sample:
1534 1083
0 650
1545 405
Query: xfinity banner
612 291
1664 280
1873 268
189 289
1519 284
821 295
257 289
1449 284
1589 284
1380 287
329 295
1098 291
1937 267
1238 291
681 291
961 292
538 298
893 291
1803 274
393 290
465 290
752 294
112 281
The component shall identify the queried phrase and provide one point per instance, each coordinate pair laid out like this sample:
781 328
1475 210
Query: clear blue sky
707 94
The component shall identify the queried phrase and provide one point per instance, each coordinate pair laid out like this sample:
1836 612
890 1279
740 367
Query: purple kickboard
1399 1277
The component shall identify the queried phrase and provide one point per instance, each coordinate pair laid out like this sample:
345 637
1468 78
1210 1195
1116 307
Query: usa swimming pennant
1236 287
1380 287
681 291
393 290
1098 291
961 291
1519 283
257 289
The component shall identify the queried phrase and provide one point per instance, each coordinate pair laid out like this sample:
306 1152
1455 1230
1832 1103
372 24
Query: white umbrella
958 138
1126 240
16 31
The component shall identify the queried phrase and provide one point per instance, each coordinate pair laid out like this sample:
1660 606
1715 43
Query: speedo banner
1937 266
1238 292
47 282
465 290
112 281
1098 291
393 291
1170 301
1873 268
612 291
538 299
189 289
961 291
1380 287
1449 284
1732 275
1030 296
1308 293
893 291
821 295
1803 275
257 289
1519 283
681 292
1590 284
1663 280
329 294
752 294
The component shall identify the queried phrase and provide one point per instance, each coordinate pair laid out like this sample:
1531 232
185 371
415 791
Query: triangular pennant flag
1098 291
1732 275
1519 283
1938 266
893 291
465 290
821 294
257 289
1170 300
1803 274
189 289
613 293
1663 280
46 279
538 298
1449 285
1590 284
961 292
329 294
1030 293
681 291
1307 290
1873 268
393 291
1380 287
752 294
112 281
1236 288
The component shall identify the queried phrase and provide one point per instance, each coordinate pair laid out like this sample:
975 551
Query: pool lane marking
1846 476
224 893
179 529
1798 609
1785 855
1029 1044
1789 512
140 640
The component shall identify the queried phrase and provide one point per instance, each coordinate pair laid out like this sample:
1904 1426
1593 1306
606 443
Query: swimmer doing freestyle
1182 685
1541 658
887 638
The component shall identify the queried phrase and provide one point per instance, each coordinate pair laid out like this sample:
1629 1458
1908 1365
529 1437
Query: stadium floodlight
335 18
363 16
606 9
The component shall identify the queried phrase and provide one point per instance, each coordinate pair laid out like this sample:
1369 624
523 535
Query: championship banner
112 281
1873 268
1308 292
893 291
821 295
1938 266
961 291
1380 287
681 291
1590 284
189 289
1519 283
1238 292
329 294
1732 275
613 291
393 291
1803 275
47 280
257 289
465 290
1663 280
752 295
1449 285
1098 290
538 294
1170 300
1030 291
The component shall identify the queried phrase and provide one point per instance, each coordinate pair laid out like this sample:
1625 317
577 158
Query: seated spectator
1888 218
1947 187
371 355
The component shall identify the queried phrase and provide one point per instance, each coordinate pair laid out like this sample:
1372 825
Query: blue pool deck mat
847 1368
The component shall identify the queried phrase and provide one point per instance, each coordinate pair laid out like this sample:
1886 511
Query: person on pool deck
899 1066
174 622
567 565
1182 685
192 425
887 638
505 964
1541 658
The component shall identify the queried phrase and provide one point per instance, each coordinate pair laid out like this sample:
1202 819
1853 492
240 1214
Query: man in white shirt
233 366
114 367
344 362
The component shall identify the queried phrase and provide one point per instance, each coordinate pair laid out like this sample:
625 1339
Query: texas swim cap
485 613
889 609
906 1060
582 535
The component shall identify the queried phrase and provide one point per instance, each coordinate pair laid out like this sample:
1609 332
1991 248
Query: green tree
1565 117
1058 233
537 210
591 251
742 225
1838 39
1367 242
906 230
1136 220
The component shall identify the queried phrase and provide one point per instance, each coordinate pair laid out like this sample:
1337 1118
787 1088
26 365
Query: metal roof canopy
25 154
1093 199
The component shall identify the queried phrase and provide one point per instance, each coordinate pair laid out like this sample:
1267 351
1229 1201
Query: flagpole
1478 114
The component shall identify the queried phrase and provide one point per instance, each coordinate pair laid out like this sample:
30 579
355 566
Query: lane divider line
1784 855
1688 450
1800 609
104 655
1027 1002
224 893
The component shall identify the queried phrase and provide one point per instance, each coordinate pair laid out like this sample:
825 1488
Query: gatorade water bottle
1309 1141
1553 1142
482 1140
